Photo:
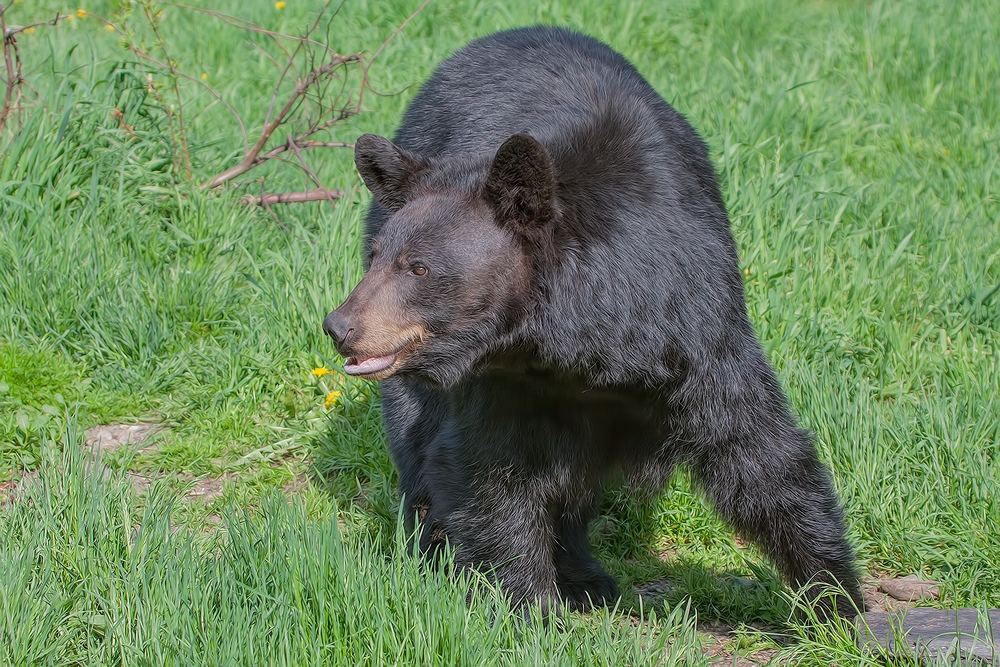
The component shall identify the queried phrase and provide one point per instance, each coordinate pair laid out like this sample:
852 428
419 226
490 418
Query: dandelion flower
204 76
331 398
81 13
320 372
279 5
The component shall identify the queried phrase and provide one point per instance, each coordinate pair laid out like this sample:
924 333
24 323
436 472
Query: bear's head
452 271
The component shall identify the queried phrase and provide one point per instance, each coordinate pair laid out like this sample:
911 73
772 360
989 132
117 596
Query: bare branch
322 94
175 75
15 29
274 215
306 168
321 194
13 70
250 160
14 82
165 66
244 24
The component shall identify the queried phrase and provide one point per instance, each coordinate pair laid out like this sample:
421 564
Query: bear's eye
418 270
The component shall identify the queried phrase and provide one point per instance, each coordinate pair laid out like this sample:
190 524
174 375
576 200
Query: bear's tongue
355 366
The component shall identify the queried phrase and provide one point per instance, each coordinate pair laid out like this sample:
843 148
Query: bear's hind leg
774 490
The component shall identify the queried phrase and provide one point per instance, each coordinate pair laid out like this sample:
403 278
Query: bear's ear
521 184
387 170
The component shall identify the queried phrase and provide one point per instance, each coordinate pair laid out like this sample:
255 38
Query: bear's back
522 80
542 80
511 82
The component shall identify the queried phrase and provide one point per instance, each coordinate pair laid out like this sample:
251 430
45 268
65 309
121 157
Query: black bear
553 298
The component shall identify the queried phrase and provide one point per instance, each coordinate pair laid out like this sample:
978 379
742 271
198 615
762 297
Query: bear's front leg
581 580
771 486
498 516
413 414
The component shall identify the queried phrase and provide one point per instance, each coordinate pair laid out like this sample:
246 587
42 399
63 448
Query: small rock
655 589
910 588
742 582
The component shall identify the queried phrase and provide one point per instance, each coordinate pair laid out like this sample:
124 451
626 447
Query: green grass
859 151
89 578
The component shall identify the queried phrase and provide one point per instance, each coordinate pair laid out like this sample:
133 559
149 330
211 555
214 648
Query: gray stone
655 590
965 636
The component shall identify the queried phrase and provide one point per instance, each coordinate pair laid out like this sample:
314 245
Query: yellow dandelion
279 5
320 372
204 76
109 27
81 13
331 398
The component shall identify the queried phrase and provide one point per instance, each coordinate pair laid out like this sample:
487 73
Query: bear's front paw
584 593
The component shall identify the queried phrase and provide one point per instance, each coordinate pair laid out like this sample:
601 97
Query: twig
250 159
321 194
12 60
244 24
398 30
148 58
16 29
151 20
316 76
291 65
310 172
13 71
274 216
321 97
366 66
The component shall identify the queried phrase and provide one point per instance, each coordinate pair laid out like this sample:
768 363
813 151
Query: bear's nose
337 327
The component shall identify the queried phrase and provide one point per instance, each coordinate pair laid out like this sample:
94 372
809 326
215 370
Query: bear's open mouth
381 367
369 365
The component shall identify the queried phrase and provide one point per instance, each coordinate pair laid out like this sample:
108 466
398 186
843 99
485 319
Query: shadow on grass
351 463
721 582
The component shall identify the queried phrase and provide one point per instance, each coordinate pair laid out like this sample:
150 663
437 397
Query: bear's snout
338 328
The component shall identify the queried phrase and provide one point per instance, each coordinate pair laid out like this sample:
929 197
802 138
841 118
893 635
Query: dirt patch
208 489
297 484
13 489
720 650
108 438
7 490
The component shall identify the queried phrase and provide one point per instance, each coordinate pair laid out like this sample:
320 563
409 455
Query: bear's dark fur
553 298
